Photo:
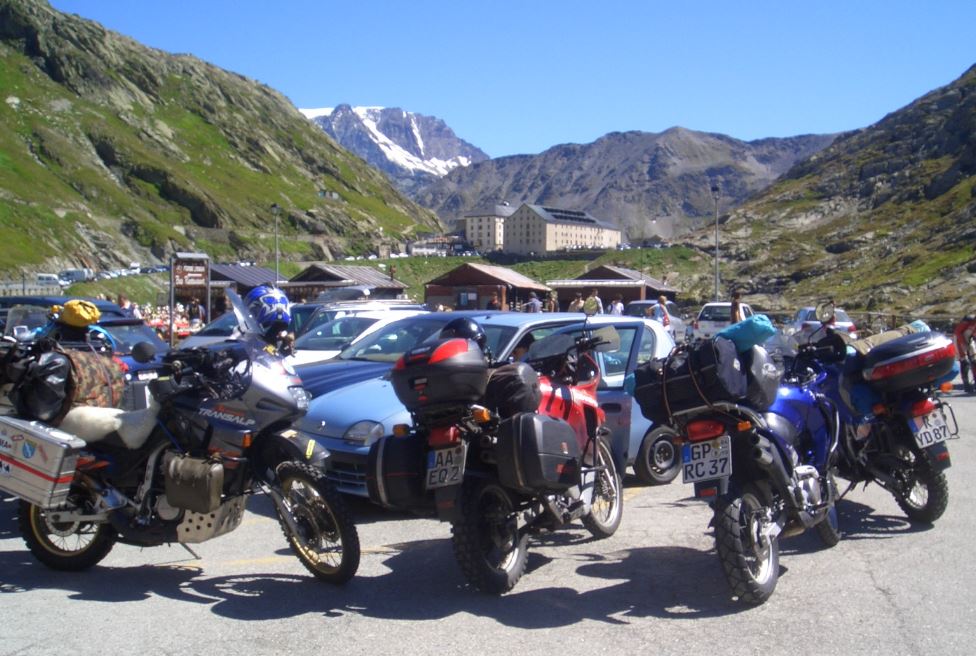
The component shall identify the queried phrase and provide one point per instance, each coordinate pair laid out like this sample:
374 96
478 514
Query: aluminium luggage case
37 462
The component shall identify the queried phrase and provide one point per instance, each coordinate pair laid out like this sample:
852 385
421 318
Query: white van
48 279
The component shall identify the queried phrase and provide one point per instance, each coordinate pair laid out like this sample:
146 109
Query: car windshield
716 313
299 318
222 326
334 335
390 342
128 335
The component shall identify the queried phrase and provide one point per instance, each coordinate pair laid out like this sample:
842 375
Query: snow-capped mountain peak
409 147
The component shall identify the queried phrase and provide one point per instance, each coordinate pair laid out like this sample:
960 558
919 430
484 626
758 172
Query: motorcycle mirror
608 339
143 352
825 312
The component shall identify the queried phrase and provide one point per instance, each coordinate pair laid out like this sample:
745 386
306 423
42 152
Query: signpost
187 270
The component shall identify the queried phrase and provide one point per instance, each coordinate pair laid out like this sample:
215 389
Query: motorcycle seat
94 424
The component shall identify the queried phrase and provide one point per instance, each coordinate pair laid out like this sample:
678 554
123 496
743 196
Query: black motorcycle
216 431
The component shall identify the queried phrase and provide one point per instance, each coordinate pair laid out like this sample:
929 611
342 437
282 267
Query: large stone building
485 228
538 229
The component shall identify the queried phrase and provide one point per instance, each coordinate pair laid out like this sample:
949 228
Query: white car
326 340
716 316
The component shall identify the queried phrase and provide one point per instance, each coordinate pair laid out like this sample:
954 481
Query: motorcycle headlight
300 395
365 432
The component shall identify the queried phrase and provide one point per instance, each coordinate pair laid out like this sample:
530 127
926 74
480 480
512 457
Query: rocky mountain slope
646 183
883 218
111 152
412 149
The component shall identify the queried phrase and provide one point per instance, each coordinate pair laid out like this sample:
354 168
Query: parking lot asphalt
656 587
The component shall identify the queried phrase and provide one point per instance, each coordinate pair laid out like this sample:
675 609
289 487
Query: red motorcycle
500 453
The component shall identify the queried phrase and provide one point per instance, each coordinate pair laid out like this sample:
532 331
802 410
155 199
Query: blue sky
521 76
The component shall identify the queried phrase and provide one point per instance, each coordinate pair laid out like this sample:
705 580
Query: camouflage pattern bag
95 380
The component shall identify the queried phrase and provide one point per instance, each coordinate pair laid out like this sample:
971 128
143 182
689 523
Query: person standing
576 305
736 313
552 303
659 312
533 304
593 303
964 332
128 309
493 302
617 306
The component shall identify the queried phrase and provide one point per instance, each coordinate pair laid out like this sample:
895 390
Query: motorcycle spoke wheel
750 557
325 540
607 506
67 546
488 545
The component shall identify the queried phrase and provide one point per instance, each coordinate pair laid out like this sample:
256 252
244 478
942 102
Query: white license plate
705 461
446 466
930 429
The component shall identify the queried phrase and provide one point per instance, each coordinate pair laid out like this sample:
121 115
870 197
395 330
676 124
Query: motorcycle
766 464
215 432
894 423
503 456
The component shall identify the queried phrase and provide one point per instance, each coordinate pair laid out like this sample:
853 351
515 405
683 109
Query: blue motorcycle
764 458
894 425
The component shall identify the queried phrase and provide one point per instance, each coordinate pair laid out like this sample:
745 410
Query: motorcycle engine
808 480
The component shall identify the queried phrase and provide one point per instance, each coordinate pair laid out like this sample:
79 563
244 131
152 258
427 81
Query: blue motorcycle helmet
269 307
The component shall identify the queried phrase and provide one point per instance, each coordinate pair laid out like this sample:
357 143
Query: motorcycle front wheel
325 539
488 545
750 558
67 546
607 507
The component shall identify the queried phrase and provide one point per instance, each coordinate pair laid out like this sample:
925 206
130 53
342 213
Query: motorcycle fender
302 448
448 503
939 456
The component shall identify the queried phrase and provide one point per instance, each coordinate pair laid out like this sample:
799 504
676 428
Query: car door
616 403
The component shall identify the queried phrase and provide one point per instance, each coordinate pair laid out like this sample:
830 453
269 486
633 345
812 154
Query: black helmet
466 328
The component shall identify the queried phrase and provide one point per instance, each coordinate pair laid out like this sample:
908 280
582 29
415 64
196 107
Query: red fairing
571 403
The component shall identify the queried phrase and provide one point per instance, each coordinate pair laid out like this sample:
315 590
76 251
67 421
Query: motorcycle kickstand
850 486
192 552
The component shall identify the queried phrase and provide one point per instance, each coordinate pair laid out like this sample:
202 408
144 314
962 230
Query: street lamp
276 210
715 196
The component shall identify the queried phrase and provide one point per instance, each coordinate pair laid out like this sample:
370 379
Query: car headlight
365 431
300 395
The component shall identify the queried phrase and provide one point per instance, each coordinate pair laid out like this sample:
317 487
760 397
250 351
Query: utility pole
276 210
715 196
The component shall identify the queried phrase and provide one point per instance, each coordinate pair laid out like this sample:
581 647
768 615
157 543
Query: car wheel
658 459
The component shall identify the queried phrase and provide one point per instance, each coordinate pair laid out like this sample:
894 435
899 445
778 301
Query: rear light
401 430
945 388
401 363
922 408
852 328
914 362
444 436
448 350
704 429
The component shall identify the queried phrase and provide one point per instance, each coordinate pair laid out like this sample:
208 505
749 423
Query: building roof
501 210
607 275
486 274
557 215
351 275
244 275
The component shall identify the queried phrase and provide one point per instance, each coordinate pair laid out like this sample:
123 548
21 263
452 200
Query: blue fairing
800 406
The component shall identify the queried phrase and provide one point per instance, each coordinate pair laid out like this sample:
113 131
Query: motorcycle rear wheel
607 507
749 558
488 545
928 497
65 546
326 542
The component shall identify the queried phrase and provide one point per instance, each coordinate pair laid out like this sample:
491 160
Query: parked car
678 327
123 334
324 312
805 325
713 317
349 418
326 340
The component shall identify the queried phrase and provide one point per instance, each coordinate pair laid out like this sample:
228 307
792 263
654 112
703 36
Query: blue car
348 419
